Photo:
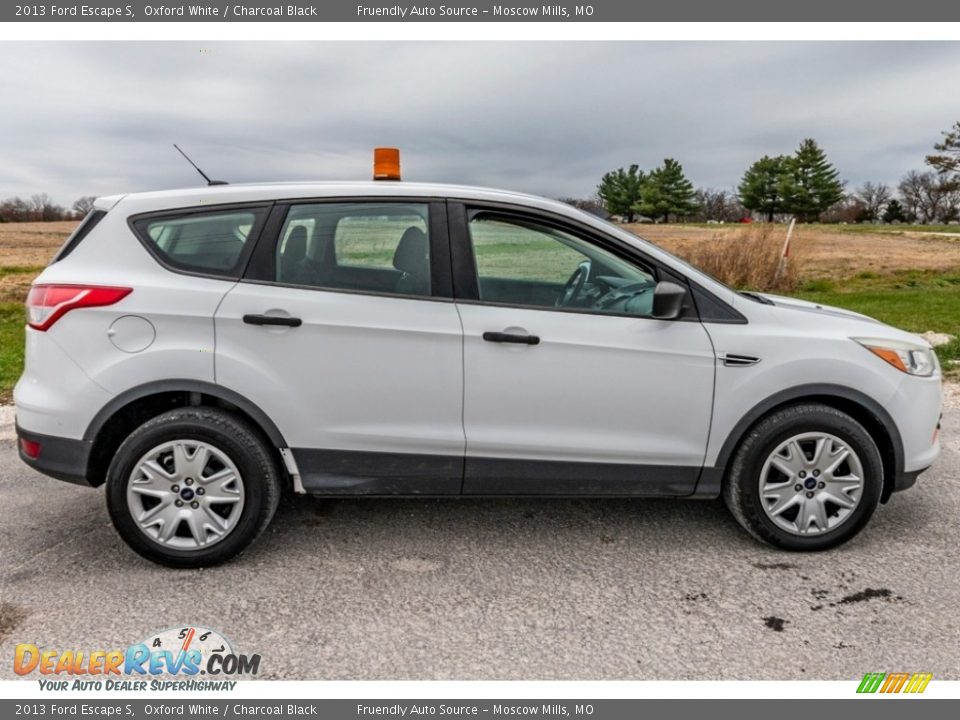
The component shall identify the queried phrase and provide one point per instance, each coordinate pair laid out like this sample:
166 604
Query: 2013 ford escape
197 350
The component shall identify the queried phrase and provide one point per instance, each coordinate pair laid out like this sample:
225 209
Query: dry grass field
825 251
25 248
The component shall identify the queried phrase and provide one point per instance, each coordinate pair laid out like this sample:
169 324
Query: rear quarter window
77 236
209 243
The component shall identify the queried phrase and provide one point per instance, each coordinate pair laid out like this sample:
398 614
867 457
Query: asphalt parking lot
498 589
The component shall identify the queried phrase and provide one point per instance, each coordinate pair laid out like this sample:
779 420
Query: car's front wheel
192 487
806 477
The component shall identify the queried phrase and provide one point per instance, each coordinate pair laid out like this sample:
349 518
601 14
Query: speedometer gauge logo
192 637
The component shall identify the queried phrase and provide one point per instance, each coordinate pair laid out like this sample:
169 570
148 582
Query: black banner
466 11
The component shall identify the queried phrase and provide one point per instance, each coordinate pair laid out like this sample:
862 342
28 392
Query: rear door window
210 243
370 247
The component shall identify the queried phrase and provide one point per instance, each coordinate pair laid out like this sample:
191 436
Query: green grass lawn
20 270
891 229
12 321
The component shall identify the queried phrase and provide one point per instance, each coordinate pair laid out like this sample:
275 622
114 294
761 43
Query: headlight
905 357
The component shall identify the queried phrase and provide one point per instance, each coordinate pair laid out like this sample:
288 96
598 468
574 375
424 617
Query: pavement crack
775 566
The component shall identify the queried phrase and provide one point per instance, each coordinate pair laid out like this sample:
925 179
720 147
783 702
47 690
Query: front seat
294 263
412 259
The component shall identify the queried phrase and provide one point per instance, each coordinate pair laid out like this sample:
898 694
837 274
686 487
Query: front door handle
272 320
503 337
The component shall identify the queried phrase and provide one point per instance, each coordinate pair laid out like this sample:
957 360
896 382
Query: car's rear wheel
192 487
806 477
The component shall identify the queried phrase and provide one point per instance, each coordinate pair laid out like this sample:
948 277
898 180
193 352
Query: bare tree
44 209
15 210
951 200
911 193
37 209
874 198
851 209
38 205
719 205
83 205
713 204
929 197
590 204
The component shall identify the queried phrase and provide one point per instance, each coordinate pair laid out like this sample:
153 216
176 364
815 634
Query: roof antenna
202 173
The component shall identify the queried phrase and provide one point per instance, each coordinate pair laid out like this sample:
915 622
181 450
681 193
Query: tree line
804 185
40 208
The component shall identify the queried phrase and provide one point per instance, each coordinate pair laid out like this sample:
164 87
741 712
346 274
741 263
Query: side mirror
668 300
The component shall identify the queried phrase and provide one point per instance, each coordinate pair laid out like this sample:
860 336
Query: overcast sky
548 118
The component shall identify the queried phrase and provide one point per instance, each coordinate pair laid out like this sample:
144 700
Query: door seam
463 397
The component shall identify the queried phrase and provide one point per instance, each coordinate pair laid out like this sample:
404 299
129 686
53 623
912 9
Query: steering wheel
571 290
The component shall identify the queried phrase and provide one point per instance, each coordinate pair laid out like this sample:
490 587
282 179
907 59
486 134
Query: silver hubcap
185 494
811 483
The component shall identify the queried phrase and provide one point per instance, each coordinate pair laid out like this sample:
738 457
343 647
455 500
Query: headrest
412 252
296 246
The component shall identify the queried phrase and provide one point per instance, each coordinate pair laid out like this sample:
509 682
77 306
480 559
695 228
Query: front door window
524 263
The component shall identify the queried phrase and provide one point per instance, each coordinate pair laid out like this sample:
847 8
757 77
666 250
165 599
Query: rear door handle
502 337
272 320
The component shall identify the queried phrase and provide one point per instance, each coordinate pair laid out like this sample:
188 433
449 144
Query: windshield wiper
756 297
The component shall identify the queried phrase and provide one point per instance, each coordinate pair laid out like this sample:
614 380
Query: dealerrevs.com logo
154 663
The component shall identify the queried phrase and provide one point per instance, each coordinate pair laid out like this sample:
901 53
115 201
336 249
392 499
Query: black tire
741 490
230 434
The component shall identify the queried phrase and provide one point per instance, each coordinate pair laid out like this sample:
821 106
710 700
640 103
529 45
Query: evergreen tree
947 160
666 192
811 184
761 189
894 212
620 191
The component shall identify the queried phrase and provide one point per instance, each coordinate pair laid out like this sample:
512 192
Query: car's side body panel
362 373
807 348
162 329
617 390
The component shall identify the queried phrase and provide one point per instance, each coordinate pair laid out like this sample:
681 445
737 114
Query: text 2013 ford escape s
197 350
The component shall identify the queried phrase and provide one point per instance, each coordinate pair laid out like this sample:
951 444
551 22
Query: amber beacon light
386 164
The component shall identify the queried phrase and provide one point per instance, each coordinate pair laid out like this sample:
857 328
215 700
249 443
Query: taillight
48 303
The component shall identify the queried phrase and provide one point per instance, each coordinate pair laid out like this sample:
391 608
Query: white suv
198 350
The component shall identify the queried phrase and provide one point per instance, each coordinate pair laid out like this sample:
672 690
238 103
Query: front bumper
916 409
60 458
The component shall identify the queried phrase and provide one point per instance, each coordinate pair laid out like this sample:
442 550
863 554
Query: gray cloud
548 118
